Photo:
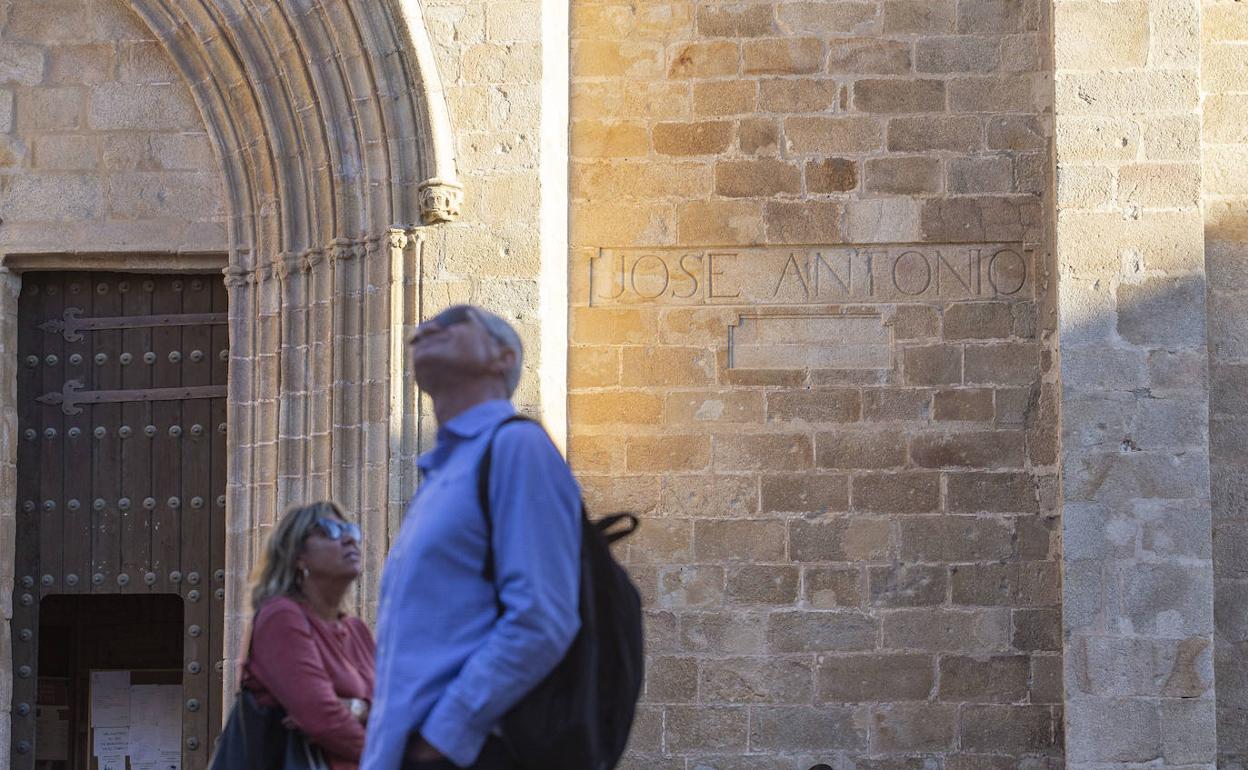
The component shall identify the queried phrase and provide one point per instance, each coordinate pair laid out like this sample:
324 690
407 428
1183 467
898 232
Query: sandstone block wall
490 60
849 547
102 148
1138 608
1225 139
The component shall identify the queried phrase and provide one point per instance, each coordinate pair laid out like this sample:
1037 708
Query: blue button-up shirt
456 651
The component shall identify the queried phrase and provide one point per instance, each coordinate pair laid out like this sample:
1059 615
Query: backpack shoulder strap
483 491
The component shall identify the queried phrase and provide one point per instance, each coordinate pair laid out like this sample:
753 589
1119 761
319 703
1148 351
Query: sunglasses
336 529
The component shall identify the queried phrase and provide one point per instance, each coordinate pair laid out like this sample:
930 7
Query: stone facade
911 328
849 562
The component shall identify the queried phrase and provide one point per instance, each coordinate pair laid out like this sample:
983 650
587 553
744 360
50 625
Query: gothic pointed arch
330 129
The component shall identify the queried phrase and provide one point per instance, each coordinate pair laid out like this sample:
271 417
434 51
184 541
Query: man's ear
505 360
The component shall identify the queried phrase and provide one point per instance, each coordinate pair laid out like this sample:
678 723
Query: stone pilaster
1138 579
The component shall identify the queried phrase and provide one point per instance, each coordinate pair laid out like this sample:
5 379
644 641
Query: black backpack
580 715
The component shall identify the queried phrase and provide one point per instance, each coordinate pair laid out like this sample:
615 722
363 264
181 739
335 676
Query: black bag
254 738
579 717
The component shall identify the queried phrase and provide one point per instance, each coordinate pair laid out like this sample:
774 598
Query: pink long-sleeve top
306 665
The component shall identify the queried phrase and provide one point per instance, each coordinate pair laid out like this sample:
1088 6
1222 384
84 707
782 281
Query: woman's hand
358 708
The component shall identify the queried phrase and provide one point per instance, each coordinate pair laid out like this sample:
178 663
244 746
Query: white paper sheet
155 722
110 698
113 762
111 741
170 760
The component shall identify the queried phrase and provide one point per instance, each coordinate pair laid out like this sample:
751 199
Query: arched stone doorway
328 127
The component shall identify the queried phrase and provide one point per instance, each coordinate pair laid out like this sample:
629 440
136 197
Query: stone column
1138 588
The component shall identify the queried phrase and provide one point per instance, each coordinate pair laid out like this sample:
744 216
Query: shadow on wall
1226 255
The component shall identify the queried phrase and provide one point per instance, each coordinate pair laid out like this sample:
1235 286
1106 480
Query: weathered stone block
956 133
739 540
737 20
980 449
724 97
701 138
964 405
868 56
926 727
759 137
607 408
932 365
919 16
911 175
796 95
887 405
955 539
957 54
805 493
992 679
724 633
981 175
885 96
1037 630
691 587
782 56
807 728
1162 312
1115 730
766 451
831 175
756 178
668 453
1022 729
801 222
868 450
671 679
826 588
720 222
1010 364
902 585
822 18
992 493
705 728
702 60
907 492
762 584
757 680
839 539
851 134
825 631
873 678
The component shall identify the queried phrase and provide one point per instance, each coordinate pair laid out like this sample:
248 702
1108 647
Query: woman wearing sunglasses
306 655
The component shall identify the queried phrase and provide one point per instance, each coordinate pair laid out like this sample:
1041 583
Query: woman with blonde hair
307 656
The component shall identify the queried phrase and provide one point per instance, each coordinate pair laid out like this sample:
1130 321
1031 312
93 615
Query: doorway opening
110 682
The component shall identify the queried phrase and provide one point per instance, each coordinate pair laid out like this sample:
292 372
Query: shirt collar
465 425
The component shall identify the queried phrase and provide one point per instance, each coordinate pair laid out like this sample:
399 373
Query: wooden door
121 468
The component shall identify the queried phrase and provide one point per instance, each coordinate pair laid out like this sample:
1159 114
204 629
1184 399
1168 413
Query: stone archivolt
329 126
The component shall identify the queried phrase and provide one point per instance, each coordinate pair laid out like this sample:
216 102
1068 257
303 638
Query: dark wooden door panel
121 468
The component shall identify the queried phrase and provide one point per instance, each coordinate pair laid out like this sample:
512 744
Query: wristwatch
358 708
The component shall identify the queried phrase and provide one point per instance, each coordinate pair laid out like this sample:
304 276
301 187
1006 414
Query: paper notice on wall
111 741
113 762
155 723
110 699
51 734
170 760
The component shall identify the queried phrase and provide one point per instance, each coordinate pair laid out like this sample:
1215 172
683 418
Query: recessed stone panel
810 342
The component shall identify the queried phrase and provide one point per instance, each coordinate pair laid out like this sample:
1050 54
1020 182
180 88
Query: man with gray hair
477 606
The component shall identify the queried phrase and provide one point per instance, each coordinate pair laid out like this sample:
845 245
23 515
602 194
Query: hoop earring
305 573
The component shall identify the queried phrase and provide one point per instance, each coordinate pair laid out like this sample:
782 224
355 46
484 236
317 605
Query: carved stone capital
397 238
440 200
235 276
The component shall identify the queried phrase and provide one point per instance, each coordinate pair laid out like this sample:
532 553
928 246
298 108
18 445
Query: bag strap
483 491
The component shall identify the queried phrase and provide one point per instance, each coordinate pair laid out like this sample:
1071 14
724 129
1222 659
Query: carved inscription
809 342
810 274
